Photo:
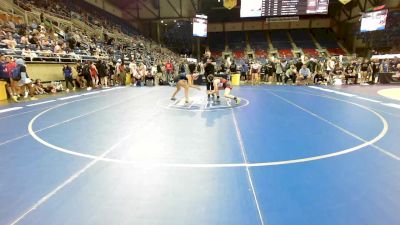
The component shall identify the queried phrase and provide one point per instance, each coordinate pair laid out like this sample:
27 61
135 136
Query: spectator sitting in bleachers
10 41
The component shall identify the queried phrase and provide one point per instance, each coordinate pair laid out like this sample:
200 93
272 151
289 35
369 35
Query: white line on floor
368 99
92 93
392 105
245 160
385 128
69 97
10 109
40 103
45 198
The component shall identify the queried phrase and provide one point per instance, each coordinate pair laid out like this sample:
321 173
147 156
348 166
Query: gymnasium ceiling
186 9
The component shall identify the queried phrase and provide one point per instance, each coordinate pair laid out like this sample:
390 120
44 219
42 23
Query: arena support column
198 48
158 33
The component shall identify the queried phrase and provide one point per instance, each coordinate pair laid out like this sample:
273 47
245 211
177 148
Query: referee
209 69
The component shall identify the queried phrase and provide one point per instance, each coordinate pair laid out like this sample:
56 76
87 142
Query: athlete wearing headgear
220 83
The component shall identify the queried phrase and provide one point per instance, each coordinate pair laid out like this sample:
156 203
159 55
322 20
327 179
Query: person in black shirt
233 68
270 70
350 73
80 78
111 72
102 68
364 69
298 64
209 69
311 64
264 72
375 66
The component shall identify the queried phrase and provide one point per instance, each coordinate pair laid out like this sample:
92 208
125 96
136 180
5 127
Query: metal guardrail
53 58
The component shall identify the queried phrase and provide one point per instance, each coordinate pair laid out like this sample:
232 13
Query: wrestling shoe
237 101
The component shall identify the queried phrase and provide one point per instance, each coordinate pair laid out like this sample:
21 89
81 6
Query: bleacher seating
97 14
238 54
257 41
285 53
261 53
75 43
302 39
280 39
326 38
217 41
310 51
236 40
336 51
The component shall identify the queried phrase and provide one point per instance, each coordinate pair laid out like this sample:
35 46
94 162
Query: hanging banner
344 2
230 4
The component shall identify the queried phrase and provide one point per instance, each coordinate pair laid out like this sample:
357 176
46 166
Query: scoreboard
259 8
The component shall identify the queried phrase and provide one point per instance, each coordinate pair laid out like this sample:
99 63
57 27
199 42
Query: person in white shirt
304 74
133 69
255 73
141 73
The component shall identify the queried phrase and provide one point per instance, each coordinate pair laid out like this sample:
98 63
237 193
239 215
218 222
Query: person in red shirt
13 84
169 68
220 83
94 74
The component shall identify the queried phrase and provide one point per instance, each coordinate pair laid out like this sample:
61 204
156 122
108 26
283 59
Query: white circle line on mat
214 165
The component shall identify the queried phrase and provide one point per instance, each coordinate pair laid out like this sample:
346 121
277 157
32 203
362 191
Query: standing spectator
312 64
80 78
233 67
25 81
111 72
4 76
151 76
337 75
385 66
11 64
133 69
298 64
142 72
375 67
103 73
279 72
121 71
330 65
269 71
169 69
160 73
94 74
67 71
365 67
86 75
319 72
255 73
350 73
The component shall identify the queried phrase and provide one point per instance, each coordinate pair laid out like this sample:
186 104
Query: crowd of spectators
309 70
